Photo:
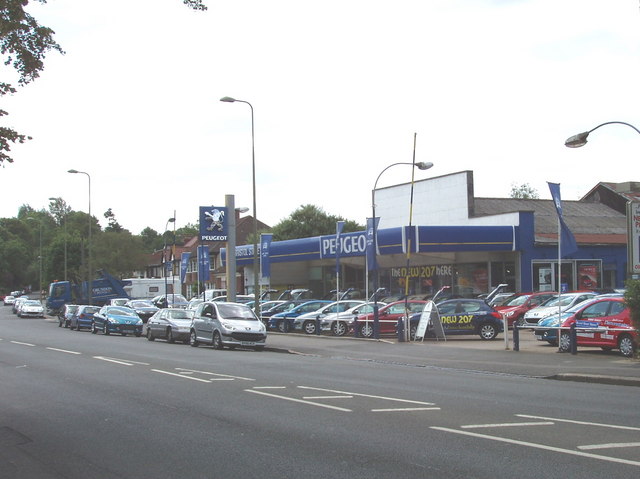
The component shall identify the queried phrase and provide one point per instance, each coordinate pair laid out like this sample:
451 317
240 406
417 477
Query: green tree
114 226
308 221
524 192
121 254
24 44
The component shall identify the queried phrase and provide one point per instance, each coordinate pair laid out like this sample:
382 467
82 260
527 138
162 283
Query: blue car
117 319
82 317
283 322
464 316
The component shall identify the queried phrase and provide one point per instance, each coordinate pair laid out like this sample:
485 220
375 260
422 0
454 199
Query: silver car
307 322
227 324
30 308
340 323
172 324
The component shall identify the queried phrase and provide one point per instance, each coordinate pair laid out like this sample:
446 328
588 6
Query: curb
597 379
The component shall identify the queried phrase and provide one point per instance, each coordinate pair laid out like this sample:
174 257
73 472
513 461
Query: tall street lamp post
164 258
576 141
256 264
376 317
64 221
90 279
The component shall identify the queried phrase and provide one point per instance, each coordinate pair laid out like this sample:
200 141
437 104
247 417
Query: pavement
469 353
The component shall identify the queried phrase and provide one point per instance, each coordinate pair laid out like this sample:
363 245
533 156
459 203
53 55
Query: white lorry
147 288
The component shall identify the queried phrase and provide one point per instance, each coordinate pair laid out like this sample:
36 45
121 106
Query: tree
308 221
524 192
114 226
24 44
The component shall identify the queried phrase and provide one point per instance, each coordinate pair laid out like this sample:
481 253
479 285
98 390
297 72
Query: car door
596 313
203 322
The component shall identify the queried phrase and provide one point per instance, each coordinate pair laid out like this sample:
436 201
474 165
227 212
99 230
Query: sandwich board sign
431 315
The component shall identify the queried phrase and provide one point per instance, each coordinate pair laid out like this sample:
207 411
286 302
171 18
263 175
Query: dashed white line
327 397
586 423
612 445
406 409
213 374
409 401
23 344
102 358
508 424
180 376
63 351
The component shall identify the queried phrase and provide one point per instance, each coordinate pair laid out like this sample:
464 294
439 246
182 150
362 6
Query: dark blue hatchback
463 316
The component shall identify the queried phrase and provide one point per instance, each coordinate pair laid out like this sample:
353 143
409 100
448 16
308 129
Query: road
78 405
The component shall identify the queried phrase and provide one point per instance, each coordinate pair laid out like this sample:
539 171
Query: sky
339 88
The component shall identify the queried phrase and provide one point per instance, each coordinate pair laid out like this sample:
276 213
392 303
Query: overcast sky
338 87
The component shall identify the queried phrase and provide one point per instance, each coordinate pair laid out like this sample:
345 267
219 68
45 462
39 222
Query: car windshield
517 301
236 311
32 302
562 301
91 309
176 298
577 307
141 304
179 314
122 311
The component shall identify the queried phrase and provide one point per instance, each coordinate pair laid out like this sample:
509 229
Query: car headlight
228 326
509 314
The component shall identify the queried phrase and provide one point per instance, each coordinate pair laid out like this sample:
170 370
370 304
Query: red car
601 322
388 317
515 307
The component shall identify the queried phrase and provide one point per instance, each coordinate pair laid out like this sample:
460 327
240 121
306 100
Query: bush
632 298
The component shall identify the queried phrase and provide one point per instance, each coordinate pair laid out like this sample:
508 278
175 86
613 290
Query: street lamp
89 283
164 259
256 264
576 141
64 221
376 318
40 258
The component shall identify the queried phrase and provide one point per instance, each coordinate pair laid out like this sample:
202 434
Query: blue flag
265 258
568 243
371 246
203 263
184 263
339 228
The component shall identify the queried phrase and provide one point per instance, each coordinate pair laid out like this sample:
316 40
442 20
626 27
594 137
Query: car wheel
93 328
170 338
366 330
216 341
626 346
339 328
59 323
488 331
281 326
66 324
72 327
105 329
150 334
309 327
413 329
565 343
193 339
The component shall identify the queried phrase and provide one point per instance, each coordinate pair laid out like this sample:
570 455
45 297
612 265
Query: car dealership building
455 239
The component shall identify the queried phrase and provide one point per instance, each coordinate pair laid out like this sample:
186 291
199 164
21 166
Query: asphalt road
78 405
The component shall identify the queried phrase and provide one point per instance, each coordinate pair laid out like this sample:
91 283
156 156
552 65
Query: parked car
30 308
463 316
65 314
341 323
83 317
17 302
172 324
607 321
554 305
143 308
283 322
193 303
307 322
227 324
388 317
9 300
117 319
515 308
171 301
282 307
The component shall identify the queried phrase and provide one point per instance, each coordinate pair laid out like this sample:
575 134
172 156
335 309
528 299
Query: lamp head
424 165
171 220
576 141
227 99
72 171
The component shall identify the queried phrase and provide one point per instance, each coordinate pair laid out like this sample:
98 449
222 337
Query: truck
100 292
147 288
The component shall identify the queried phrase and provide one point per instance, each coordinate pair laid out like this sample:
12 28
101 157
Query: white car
9 300
340 323
30 308
307 321
552 305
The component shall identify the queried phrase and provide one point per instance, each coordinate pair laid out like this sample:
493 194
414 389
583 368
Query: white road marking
102 358
270 387
180 376
508 424
327 397
311 403
539 446
213 374
63 351
370 396
586 423
612 445
403 409
23 344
